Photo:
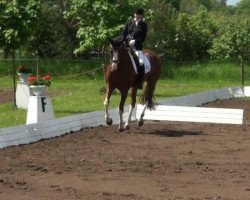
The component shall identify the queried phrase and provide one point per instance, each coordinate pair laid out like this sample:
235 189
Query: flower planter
23 77
38 90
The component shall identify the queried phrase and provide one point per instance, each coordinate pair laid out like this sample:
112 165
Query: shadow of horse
175 133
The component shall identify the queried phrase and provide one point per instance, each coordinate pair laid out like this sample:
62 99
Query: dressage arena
160 160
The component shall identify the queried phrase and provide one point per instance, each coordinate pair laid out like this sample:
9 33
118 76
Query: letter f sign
43 103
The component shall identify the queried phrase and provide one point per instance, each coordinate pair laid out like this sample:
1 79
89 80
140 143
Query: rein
116 61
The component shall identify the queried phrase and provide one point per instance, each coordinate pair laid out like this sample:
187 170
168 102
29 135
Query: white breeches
140 55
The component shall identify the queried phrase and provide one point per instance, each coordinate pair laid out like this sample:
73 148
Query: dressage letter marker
193 114
43 103
39 109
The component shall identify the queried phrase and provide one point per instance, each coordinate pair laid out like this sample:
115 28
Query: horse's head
117 45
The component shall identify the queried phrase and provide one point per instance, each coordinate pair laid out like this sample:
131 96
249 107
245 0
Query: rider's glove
131 42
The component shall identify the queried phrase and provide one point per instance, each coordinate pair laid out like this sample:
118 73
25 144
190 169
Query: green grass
11 116
54 67
79 94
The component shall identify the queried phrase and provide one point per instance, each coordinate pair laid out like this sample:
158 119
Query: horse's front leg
121 109
132 106
109 120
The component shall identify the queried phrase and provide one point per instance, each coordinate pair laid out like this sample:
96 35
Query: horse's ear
110 41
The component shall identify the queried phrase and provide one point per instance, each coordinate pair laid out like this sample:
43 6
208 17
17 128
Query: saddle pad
146 62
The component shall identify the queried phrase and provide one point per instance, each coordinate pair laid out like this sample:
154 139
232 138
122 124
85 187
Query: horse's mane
116 43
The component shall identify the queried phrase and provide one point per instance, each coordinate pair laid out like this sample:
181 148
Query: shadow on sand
175 133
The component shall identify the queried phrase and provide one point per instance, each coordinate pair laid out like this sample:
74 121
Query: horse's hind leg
140 120
132 106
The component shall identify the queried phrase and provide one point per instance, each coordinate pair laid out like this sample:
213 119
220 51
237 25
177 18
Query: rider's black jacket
135 32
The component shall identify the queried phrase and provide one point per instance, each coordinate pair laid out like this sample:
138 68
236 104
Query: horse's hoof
140 123
109 121
126 127
120 129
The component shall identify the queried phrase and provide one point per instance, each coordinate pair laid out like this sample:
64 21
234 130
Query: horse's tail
147 96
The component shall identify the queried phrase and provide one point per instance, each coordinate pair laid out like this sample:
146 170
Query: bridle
115 61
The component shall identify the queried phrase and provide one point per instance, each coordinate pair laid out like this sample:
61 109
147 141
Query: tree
56 34
223 3
233 39
243 7
174 3
43 42
190 6
99 20
194 35
162 28
17 21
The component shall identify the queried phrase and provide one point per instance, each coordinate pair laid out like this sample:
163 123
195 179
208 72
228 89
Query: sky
232 2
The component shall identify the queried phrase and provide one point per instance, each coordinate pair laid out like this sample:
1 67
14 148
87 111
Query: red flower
47 77
31 78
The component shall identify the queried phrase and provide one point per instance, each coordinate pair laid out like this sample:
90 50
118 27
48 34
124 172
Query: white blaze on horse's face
115 60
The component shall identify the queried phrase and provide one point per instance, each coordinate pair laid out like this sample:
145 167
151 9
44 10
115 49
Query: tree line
179 30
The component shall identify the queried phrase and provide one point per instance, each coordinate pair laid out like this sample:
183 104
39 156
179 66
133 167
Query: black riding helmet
139 11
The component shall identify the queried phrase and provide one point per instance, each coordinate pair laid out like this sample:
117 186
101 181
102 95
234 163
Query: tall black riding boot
140 77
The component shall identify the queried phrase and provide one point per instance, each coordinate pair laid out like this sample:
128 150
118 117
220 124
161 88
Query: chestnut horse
120 74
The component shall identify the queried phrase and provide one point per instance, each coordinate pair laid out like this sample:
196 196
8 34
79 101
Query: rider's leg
140 55
141 70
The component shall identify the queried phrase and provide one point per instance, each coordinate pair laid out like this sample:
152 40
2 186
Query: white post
39 109
22 95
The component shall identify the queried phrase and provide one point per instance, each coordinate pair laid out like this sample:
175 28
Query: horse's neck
123 54
124 63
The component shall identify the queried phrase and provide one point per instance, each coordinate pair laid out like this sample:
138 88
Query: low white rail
26 134
193 114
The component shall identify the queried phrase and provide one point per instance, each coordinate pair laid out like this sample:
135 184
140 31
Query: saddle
135 61
134 56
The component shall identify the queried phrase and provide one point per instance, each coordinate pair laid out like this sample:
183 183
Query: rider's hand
132 42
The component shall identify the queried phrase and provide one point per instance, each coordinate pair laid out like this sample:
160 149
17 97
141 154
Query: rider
134 33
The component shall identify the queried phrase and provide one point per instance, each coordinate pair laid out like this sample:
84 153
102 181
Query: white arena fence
26 134
193 114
